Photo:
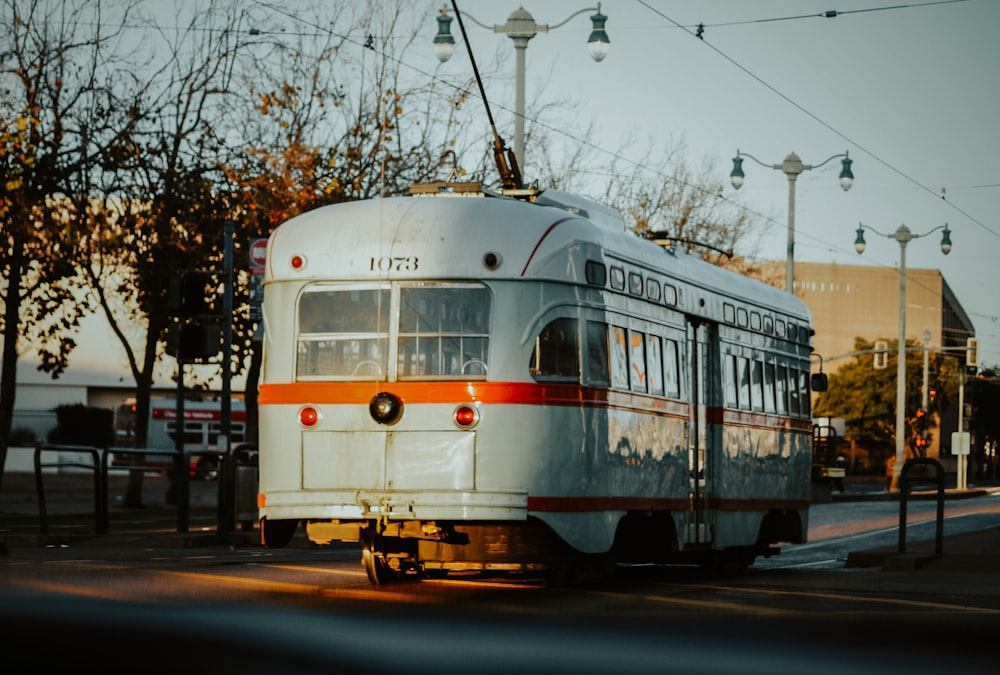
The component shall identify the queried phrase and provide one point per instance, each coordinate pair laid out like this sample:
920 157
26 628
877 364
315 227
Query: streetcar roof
448 236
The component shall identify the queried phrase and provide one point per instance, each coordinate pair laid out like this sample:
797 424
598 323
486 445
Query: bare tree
51 91
165 214
329 119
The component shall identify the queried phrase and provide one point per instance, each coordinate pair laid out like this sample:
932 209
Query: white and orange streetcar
463 380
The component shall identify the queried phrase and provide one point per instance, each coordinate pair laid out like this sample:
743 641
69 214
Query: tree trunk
8 379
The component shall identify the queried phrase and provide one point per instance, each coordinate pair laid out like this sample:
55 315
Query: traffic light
195 334
971 352
192 295
194 341
920 425
881 355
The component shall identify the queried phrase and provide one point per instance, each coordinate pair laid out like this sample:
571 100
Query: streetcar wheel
376 565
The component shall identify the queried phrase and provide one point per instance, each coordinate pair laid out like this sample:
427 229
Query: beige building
849 301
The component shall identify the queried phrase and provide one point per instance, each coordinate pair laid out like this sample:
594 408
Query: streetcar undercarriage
396 550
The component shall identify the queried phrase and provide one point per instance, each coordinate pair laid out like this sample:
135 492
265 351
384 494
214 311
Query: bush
78 424
21 437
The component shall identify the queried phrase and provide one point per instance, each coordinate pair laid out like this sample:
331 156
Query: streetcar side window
793 390
781 383
671 369
619 358
634 283
343 333
597 354
443 331
744 364
769 387
730 380
669 294
653 290
617 278
757 385
804 393
654 362
557 352
597 273
637 360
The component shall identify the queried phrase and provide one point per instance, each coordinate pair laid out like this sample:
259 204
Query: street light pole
520 28
903 236
925 394
792 167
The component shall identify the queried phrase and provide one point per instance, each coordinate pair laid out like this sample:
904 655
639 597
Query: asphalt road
809 609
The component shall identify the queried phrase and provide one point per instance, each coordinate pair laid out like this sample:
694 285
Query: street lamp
903 236
520 28
792 166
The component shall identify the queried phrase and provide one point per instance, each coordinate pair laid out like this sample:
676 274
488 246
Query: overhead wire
821 121
699 33
365 42
830 14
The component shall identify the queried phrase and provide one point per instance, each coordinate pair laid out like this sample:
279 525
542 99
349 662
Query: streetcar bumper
395 505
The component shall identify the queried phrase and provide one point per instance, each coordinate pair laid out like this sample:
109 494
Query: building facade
850 301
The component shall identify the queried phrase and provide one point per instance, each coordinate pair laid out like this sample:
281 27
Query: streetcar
511 381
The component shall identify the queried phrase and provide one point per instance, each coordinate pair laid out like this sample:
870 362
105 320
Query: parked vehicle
202 428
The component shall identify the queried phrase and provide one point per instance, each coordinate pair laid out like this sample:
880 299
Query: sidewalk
71 514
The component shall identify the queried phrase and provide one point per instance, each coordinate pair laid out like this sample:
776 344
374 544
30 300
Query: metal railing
904 490
100 482
237 496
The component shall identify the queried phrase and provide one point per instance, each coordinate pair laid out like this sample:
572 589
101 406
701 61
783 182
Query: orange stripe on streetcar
509 393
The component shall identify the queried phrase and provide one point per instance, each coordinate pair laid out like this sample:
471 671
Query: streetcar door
704 437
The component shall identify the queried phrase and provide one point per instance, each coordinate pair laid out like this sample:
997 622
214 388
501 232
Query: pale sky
909 90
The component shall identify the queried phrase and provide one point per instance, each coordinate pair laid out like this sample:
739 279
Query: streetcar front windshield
343 333
442 332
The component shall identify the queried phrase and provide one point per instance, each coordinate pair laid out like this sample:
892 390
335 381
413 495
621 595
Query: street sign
960 443
258 256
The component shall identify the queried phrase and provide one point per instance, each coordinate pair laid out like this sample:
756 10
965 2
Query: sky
910 91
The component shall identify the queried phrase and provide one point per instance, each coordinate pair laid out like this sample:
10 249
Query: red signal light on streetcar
308 417
466 416
297 262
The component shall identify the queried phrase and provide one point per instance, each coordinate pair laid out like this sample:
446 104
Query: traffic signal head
971 352
195 341
881 354
191 295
